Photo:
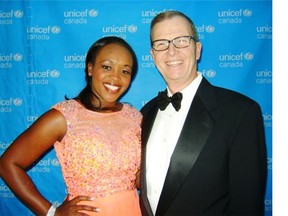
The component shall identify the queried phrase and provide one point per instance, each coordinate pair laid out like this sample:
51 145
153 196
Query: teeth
112 87
174 62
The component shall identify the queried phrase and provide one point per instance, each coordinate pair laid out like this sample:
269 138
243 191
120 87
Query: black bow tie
163 100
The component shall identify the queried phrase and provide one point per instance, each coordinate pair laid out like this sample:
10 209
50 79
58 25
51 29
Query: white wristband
51 211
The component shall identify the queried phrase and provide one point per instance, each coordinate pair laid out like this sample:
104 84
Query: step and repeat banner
43 45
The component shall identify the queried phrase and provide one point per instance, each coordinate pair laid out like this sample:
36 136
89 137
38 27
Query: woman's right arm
27 149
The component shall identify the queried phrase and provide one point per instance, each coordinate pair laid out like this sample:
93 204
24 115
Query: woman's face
111 73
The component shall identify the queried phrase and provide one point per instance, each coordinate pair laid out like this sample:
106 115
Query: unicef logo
93 13
17 101
132 28
54 73
247 13
210 29
55 29
17 57
209 73
18 14
249 56
54 162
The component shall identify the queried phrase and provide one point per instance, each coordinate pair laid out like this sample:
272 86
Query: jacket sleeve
248 165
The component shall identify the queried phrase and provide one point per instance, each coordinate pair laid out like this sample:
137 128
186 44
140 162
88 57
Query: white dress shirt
162 141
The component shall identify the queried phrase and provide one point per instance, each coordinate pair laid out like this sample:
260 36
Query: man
206 156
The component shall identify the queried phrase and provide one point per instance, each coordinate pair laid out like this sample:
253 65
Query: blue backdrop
43 45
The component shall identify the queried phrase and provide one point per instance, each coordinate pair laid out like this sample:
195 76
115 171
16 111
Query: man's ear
152 53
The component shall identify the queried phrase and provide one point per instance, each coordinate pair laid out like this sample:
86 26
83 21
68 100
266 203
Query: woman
96 139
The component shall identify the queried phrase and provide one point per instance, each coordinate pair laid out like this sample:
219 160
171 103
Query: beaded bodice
100 153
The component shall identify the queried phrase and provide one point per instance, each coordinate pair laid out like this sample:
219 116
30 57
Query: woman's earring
89 71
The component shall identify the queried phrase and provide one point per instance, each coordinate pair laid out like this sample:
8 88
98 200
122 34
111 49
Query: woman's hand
70 207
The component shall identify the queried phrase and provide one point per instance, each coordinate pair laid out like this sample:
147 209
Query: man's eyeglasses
178 42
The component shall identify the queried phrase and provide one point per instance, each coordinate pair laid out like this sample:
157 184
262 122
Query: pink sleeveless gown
100 156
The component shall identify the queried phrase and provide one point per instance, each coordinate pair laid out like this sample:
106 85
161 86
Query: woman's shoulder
67 106
131 110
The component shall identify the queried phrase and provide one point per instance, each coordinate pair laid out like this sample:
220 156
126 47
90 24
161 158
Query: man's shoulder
233 95
225 94
149 105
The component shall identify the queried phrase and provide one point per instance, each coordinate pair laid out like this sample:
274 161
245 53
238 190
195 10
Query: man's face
178 66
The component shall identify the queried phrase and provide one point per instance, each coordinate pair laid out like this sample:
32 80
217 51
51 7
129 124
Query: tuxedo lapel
148 120
196 130
147 125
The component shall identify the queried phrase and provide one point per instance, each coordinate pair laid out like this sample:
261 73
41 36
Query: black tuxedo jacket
219 164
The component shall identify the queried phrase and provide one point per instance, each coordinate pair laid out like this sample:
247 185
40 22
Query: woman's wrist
51 211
